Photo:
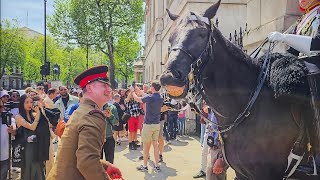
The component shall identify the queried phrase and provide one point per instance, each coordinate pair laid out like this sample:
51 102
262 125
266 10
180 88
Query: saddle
287 76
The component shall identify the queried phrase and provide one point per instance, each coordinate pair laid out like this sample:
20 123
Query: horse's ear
172 16
212 10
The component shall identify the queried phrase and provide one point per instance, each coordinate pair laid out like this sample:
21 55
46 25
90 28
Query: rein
195 80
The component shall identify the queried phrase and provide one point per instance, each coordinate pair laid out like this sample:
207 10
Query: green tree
12 52
71 60
73 64
127 51
96 23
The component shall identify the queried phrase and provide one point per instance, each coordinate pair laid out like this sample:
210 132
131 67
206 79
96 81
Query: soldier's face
103 91
305 4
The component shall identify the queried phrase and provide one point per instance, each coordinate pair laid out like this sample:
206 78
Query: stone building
265 16
12 81
138 69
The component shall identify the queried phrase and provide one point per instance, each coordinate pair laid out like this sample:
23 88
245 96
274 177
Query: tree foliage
98 23
12 53
72 61
127 51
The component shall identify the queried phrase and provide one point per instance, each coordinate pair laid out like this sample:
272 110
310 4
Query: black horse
258 147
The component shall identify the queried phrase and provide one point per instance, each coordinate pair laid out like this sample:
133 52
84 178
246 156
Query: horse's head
188 41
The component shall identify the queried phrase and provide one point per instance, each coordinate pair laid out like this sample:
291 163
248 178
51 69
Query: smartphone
35 103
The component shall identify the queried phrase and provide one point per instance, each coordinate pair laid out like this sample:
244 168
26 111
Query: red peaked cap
97 73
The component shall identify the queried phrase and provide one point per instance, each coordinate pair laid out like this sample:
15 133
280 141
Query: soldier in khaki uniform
81 143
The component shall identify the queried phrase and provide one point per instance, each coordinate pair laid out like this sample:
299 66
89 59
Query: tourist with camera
28 120
4 96
133 108
6 128
151 126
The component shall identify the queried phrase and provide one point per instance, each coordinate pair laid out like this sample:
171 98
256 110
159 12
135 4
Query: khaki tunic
80 147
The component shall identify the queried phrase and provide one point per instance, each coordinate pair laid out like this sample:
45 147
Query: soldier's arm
91 138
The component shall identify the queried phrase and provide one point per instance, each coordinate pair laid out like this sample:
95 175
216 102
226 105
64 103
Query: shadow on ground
122 147
163 175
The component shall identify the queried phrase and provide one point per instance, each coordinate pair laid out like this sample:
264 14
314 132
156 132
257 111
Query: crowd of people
37 132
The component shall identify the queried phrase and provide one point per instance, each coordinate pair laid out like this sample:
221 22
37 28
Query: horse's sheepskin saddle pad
287 76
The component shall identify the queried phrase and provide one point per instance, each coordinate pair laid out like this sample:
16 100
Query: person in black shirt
118 128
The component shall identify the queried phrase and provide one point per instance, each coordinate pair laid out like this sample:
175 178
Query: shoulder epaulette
94 111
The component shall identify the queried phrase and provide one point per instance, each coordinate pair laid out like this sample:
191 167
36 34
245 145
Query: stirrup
315 173
290 158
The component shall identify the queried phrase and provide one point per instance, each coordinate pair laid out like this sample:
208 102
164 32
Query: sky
30 13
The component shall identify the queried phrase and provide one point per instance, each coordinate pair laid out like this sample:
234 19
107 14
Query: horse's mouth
176 91
176 85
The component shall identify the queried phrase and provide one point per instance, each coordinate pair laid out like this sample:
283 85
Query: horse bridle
195 79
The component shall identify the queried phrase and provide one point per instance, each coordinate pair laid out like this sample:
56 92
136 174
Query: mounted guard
304 42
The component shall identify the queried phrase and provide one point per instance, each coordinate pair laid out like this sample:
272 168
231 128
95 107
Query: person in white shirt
4 144
48 100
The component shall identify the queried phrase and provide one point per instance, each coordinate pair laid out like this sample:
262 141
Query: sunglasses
6 96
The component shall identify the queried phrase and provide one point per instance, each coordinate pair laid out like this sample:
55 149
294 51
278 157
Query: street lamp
45 31
45 45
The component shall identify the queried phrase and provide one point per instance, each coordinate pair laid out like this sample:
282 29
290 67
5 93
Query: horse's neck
230 78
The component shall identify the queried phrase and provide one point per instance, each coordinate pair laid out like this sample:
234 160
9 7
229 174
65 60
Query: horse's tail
314 83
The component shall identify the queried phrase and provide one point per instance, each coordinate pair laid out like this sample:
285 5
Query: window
18 83
14 84
6 83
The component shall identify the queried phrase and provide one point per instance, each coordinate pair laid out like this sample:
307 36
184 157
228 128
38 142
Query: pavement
181 161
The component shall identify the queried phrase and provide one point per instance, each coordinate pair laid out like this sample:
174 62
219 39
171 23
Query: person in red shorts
134 110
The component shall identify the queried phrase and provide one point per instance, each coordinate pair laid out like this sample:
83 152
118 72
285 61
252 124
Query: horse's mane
287 75
235 50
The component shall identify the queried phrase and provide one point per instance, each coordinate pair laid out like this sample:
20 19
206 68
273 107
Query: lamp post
45 44
45 31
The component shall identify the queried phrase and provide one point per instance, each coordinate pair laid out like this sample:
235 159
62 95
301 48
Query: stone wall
265 16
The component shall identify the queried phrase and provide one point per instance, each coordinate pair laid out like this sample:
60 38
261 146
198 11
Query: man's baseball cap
4 93
97 73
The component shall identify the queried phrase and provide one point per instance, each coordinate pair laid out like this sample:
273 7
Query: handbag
18 148
53 115
125 117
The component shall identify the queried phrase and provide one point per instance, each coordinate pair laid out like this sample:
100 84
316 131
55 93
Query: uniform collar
90 102
312 7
